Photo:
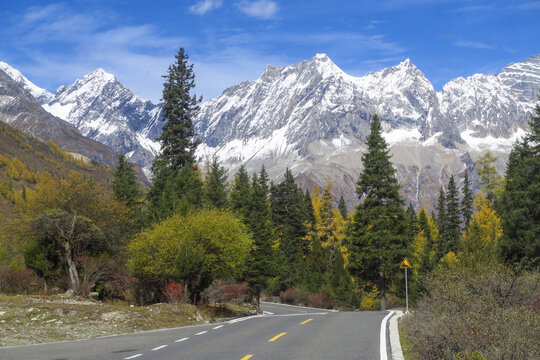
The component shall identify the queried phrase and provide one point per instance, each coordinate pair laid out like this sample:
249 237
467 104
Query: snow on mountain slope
104 110
40 94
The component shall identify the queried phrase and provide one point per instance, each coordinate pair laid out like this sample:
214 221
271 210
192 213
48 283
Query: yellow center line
305 322
324 313
247 357
276 337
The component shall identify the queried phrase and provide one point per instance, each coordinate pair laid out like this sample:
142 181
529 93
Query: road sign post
406 265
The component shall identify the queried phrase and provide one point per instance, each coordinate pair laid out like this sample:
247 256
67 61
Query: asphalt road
282 332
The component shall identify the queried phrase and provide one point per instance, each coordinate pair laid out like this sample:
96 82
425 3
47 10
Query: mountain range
314 118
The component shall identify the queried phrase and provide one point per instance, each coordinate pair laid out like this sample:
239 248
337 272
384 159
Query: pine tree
491 182
261 264
518 205
466 201
288 217
240 192
426 264
342 207
441 222
216 185
124 184
378 239
177 138
309 211
452 228
413 221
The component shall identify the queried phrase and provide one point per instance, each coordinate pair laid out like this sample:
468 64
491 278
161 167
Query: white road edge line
268 313
180 340
132 357
384 355
218 327
159 347
202 332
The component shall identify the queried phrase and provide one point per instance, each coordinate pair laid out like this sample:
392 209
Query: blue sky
54 43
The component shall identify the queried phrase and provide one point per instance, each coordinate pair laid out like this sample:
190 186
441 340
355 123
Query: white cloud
473 45
262 9
204 6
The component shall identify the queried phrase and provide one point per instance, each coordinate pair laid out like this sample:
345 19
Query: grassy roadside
405 343
34 319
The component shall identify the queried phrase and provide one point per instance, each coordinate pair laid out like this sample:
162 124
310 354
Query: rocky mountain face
105 111
314 118
20 109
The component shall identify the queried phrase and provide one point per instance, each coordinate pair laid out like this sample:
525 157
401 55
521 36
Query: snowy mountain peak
99 75
40 94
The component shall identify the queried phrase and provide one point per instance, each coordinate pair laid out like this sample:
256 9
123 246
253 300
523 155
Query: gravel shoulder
37 319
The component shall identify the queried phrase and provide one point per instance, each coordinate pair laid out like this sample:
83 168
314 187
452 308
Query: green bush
493 314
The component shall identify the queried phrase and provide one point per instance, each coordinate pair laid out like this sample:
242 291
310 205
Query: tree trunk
72 268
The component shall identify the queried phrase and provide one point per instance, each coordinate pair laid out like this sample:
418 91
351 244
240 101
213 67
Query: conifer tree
342 207
216 185
466 201
310 211
261 264
177 138
452 227
240 193
413 221
441 222
425 229
490 180
124 184
288 217
518 205
378 237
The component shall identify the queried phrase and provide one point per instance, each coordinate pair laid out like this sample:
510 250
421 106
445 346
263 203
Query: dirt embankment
33 319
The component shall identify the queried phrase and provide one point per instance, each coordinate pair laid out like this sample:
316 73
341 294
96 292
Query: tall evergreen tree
491 182
240 193
342 207
413 221
452 229
467 202
261 264
423 226
441 222
378 237
177 138
288 217
216 185
124 184
518 205
310 212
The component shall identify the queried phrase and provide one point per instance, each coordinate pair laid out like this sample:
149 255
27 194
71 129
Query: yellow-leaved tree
481 241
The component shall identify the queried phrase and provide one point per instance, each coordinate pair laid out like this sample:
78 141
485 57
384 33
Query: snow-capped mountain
106 111
314 118
42 95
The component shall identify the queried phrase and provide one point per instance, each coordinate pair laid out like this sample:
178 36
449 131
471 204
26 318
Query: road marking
202 332
324 313
268 313
180 340
382 337
247 357
132 357
276 337
218 327
159 347
305 322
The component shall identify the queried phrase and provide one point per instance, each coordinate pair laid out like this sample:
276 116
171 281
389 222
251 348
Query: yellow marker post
305 322
276 337
406 265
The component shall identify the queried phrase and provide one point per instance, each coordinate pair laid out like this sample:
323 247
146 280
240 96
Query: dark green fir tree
519 204
177 138
441 222
216 185
467 202
342 207
452 228
125 186
378 239
240 192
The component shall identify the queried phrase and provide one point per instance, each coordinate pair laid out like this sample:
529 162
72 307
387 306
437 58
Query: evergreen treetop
467 201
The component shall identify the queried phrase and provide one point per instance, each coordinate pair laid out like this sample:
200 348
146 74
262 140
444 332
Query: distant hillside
25 159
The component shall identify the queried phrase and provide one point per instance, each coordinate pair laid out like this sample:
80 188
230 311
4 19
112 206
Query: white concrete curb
395 344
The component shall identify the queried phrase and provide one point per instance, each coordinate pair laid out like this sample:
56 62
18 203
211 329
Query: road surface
282 332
